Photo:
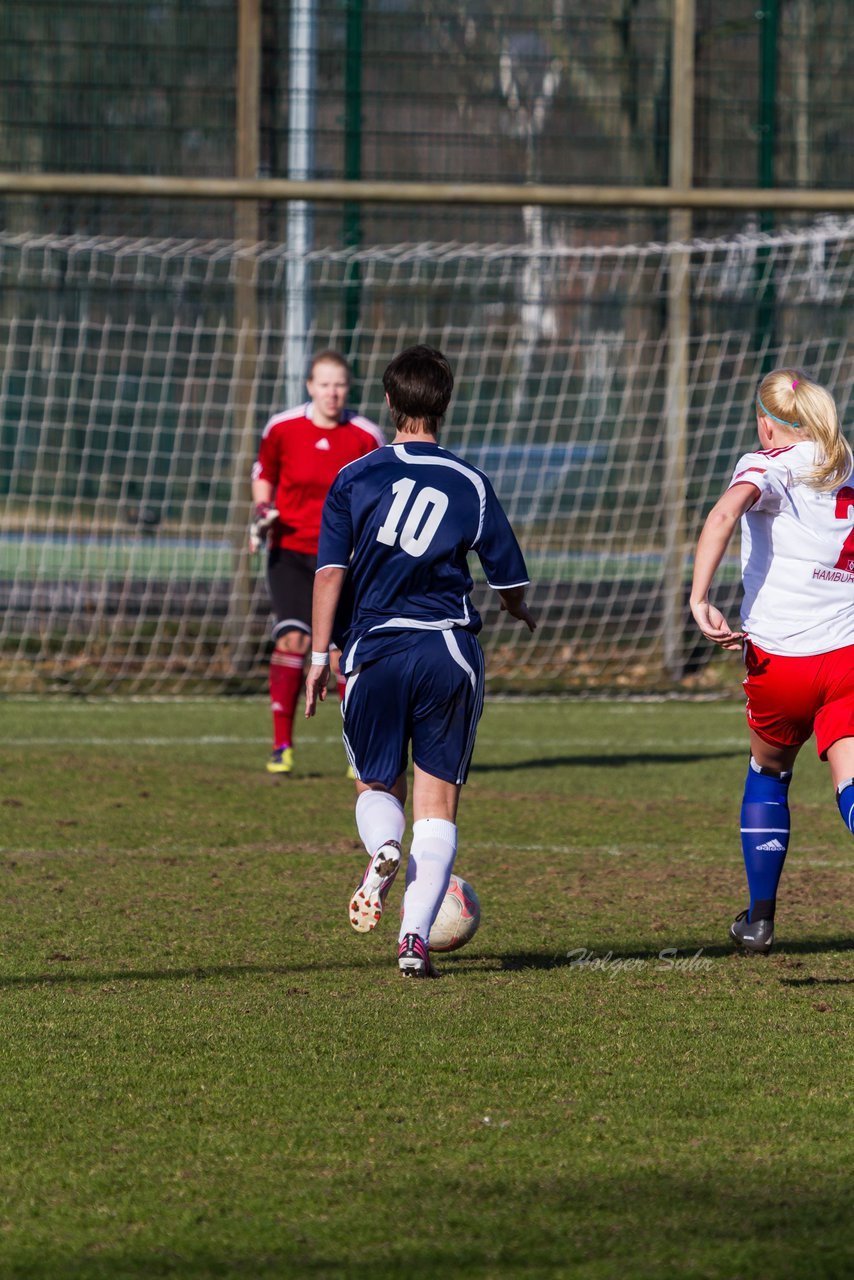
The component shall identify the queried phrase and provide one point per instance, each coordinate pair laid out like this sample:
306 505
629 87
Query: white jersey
797 555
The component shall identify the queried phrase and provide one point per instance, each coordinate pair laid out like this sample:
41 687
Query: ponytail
794 400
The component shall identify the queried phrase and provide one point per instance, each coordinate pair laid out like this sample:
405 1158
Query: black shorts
290 582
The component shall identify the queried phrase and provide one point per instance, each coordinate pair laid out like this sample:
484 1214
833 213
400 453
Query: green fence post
353 165
769 19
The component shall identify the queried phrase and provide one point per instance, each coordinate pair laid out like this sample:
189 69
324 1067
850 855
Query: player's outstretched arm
513 602
714 540
328 583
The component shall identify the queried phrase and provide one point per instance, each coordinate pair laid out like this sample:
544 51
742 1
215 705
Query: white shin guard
431 861
379 817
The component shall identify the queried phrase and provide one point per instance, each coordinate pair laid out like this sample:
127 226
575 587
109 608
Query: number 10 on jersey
423 517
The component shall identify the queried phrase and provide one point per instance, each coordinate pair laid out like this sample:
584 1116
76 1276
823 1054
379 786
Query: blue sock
765 826
845 800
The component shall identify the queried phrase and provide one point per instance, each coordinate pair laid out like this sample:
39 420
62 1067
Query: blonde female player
794 497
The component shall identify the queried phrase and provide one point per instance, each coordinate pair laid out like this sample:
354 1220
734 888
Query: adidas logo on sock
773 846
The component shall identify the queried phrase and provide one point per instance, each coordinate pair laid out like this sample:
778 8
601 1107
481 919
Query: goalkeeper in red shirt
302 450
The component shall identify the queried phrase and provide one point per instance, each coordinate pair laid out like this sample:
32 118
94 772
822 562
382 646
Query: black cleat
757 937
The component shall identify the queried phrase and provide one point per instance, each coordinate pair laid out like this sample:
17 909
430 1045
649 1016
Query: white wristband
319 659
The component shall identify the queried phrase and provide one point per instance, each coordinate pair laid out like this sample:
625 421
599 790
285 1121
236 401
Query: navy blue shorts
428 693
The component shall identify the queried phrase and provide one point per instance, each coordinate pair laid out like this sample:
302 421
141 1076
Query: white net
606 389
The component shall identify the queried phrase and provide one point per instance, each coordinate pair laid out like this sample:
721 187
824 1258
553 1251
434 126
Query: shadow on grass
611 761
816 982
200 973
684 955
635 1223
667 954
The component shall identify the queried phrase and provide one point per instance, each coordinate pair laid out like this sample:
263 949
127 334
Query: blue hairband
773 416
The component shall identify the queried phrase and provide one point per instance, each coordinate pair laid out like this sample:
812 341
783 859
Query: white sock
431 861
379 817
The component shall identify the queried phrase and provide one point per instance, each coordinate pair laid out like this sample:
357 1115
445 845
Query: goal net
606 389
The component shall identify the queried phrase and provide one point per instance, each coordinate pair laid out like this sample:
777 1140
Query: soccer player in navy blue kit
392 586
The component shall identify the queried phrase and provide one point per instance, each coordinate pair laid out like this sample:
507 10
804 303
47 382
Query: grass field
205 1073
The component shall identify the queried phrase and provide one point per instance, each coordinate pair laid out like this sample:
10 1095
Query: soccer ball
458 918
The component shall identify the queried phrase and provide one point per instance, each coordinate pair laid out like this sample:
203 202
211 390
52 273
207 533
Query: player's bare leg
840 757
433 797
771 756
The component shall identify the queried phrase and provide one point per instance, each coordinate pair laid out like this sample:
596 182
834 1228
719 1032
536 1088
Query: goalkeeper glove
263 518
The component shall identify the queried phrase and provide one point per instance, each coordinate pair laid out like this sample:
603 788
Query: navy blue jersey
402 521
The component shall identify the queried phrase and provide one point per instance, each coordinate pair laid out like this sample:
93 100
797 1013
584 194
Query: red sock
285 686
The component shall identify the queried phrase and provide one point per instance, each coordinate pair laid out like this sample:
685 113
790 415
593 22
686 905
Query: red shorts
789 698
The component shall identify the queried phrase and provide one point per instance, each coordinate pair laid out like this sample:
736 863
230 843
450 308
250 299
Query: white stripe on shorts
477 684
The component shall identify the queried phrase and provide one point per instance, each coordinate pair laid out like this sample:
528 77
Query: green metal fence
144 341
550 90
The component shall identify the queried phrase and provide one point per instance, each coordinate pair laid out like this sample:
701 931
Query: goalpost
127 382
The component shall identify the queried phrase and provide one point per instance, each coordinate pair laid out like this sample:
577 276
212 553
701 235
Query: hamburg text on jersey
797 555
